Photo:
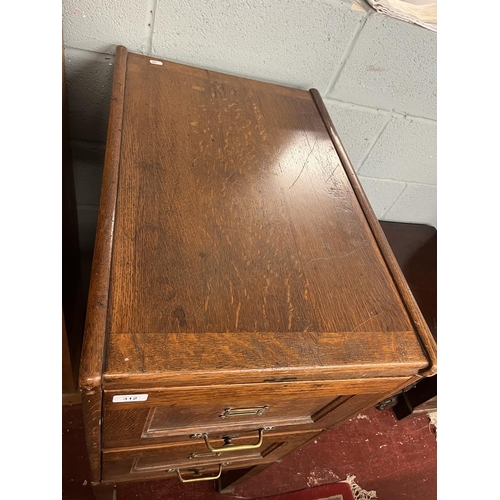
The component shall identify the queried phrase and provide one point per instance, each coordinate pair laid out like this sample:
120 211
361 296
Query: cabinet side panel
92 408
92 358
95 325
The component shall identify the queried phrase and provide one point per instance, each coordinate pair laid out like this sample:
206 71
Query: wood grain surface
238 264
92 419
93 349
170 414
235 216
185 359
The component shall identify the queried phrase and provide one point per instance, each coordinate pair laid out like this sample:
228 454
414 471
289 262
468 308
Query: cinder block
101 25
406 151
357 129
392 66
87 225
89 78
381 193
294 42
417 204
88 161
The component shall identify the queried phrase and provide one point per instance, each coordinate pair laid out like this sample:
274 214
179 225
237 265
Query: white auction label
129 398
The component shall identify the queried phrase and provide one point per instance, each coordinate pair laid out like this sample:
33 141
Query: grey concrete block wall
405 151
358 129
89 77
100 26
377 76
392 66
295 42
382 194
417 202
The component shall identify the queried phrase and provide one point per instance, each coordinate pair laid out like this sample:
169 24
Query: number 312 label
130 398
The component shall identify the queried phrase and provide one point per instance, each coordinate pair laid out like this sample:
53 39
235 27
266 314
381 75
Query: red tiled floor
75 465
395 458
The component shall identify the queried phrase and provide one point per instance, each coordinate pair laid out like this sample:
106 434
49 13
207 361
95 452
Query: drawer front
175 414
194 457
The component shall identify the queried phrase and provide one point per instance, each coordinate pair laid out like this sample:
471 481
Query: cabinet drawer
194 455
176 413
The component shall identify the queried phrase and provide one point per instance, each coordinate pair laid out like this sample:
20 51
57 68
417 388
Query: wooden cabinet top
235 240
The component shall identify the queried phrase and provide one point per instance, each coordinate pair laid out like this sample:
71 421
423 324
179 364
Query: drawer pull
228 446
240 412
204 454
197 479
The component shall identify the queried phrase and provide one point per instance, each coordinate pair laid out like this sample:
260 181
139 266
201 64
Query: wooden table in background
415 248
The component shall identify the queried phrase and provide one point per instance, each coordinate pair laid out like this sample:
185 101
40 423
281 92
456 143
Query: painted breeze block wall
376 74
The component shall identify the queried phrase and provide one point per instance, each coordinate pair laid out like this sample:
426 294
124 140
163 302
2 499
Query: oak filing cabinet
243 296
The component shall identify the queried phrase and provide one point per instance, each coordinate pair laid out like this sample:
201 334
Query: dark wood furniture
73 302
243 296
415 248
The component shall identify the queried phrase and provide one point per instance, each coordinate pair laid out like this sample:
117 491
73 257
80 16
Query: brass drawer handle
204 454
228 446
197 479
240 412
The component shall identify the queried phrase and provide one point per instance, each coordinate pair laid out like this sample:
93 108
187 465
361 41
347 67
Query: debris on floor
358 492
433 423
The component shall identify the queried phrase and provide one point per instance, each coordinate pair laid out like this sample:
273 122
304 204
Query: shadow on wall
89 79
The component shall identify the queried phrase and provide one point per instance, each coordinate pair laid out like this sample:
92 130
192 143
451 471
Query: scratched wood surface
235 216
238 264
177 359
